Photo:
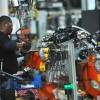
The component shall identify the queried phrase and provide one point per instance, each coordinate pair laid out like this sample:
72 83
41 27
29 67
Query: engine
53 50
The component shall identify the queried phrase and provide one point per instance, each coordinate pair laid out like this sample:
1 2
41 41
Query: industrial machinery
54 51
56 63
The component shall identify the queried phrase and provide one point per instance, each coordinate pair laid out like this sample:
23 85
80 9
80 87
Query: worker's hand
20 45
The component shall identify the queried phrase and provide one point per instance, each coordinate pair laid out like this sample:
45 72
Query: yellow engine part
46 50
42 66
46 55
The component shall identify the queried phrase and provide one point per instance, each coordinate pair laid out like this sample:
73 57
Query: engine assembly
53 50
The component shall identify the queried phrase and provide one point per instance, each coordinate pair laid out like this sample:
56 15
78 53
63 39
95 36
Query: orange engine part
88 73
46 92
34 59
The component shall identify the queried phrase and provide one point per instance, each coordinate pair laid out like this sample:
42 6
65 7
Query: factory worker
7 46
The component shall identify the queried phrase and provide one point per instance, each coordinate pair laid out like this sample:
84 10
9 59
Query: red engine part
87 73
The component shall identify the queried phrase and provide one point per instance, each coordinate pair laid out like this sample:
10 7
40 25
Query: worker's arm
10 45
6 43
